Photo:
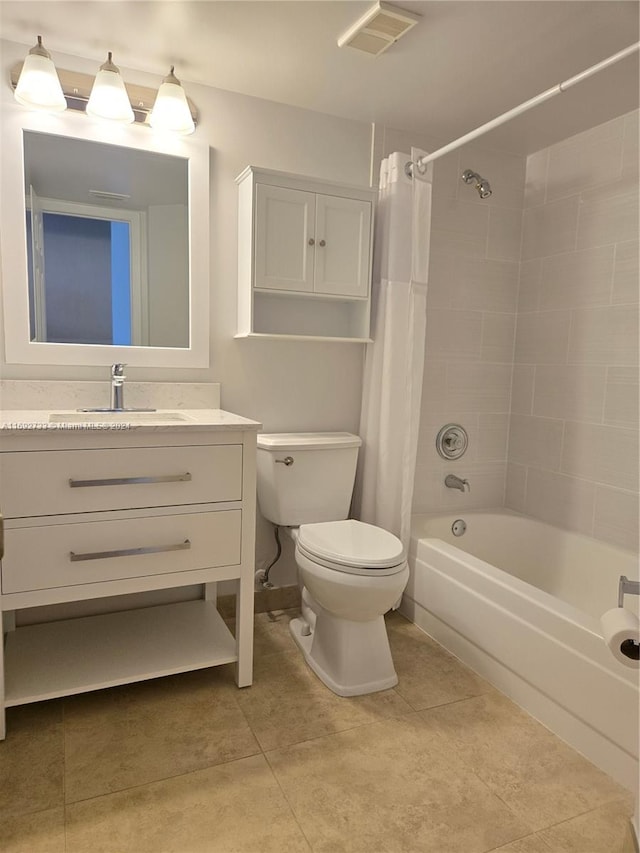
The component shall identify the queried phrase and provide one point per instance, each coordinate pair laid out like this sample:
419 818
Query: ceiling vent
378 28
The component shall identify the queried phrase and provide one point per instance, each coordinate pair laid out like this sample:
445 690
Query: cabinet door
284 227
343 227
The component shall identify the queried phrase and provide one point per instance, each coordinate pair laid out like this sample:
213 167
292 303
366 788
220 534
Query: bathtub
519 601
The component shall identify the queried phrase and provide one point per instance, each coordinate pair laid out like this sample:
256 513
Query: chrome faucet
453 482
117 387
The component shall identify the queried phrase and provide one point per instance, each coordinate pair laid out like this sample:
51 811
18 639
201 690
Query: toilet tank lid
307 440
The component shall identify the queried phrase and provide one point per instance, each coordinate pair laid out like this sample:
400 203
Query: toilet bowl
351 573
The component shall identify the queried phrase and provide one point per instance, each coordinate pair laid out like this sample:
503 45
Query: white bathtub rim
416 535
521 587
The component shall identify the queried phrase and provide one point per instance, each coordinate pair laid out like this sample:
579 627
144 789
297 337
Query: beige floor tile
232 808
537 775
31 759
393 786
271 632
528 844
288 704
133 735
42 832
599 831
428 675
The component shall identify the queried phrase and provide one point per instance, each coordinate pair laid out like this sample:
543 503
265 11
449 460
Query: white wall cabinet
304 257
90 514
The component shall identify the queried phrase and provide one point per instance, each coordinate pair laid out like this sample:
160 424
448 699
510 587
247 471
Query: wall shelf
304 257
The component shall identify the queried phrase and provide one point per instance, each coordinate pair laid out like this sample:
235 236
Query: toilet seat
351 546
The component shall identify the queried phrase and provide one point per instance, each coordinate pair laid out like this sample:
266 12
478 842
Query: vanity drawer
58 482
56 555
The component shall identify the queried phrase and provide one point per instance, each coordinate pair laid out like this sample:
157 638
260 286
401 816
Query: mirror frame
19 348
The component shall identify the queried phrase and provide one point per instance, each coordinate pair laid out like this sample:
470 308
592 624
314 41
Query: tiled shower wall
471 316
573 447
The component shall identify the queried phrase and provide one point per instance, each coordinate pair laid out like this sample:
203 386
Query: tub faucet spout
453 482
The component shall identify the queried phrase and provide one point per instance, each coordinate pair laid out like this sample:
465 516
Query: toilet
351 573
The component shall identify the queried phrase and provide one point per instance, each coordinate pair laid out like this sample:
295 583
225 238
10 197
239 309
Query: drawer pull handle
132 481
129 552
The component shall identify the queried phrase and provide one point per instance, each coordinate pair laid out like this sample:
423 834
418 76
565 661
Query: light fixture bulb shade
109 98
38 85
171 110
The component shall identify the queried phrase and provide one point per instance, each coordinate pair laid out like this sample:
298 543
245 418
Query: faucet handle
117 371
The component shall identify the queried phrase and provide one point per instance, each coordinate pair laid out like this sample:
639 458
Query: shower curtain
394 361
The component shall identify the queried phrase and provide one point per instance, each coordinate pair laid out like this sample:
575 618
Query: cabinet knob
312 242
323 242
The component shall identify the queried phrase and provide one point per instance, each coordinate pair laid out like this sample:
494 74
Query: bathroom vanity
99 505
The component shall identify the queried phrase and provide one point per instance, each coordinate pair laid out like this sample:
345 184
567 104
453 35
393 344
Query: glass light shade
39 86
171 109
109 98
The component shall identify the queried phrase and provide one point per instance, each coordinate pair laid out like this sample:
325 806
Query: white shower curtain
394 361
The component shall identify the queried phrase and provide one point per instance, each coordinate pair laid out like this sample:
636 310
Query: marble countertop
24 422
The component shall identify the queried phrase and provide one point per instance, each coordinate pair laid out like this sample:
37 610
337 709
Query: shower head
483 187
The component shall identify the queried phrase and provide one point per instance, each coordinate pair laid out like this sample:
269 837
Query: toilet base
351 658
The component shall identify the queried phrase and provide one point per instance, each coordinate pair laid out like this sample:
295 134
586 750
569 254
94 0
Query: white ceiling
463 64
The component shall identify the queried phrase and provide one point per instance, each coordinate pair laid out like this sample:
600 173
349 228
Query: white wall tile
550 229
616 517
542 337
604 336
603 454
522 389
478 284
505 232
630 147
515 487
621 400
608 214
434 385
535 187
626 273
572 392
498 332
459 228
575 374
492 437
455 335
478 387
536 441
563 501
529 288
585 160
577 279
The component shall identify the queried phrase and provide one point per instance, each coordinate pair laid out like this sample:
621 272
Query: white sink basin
117 417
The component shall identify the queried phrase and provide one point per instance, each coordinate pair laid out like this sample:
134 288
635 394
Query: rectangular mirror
105 245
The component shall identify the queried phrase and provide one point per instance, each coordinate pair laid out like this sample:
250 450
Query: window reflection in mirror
107 243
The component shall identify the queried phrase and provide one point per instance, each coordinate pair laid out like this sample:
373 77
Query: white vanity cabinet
304 257
91 513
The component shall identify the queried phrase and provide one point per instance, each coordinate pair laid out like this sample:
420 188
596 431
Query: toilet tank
316 485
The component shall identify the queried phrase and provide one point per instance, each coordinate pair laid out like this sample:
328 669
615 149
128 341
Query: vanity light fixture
106 96
109 98
171 111
38 85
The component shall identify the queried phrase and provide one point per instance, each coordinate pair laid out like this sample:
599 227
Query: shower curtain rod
421 163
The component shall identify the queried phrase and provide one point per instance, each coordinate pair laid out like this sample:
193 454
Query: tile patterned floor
190 764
